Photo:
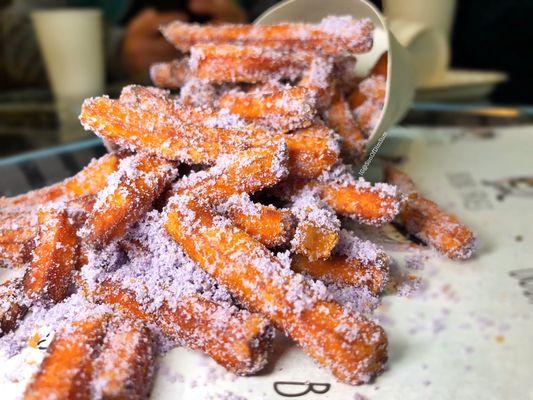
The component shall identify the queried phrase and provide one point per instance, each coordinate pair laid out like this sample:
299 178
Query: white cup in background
71 42
427 49
436 14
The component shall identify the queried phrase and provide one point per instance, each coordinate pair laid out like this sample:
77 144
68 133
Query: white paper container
400 84
71 41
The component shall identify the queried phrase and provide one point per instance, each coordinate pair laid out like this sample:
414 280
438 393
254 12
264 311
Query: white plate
460 84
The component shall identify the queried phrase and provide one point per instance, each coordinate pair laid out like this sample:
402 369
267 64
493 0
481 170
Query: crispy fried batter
172 74
240 344
54 259
129 193
67 370
333 36
285 109
425 220
125 366
352 347
245 64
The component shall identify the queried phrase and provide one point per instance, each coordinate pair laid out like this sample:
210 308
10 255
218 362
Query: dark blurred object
495 34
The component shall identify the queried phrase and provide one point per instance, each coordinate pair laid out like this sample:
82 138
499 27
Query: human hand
143 43
218 10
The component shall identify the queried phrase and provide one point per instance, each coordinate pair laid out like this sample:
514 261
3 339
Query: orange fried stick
344 271
158 132
285 109
244 172
19 229
318 227
68 367
88 181
125 366
333 36
425 220
368 98
54 259
312 151
357 98
369 204
240 344
269 225
171 74
13 305
319 80
352 347
340 118
245 64
129 193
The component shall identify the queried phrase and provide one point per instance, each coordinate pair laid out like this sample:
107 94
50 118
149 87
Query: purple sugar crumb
227 395
60 316
415 262
438 325
358 299
363 250
411 287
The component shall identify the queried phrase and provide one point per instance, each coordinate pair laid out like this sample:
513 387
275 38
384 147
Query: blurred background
55 53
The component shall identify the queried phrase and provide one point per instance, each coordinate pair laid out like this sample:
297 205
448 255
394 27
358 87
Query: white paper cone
400 84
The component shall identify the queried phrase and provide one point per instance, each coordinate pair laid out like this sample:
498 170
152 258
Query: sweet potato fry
352 347
343 271
380 67
425 220
240 344
245 172
269 225
67 370
368 204
368 98
88 181
340 118
54 259
333 36
172 75
285 109
345 73
13 305
129 193
125 366
319 80
314 241
312 151
245 64
14 254
164 134
318 228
